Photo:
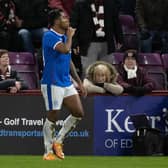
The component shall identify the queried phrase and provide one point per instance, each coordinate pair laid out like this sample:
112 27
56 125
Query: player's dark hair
54 15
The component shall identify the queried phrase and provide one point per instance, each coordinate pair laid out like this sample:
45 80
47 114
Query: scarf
97 9
131 73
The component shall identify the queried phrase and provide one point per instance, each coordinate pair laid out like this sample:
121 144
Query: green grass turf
83 162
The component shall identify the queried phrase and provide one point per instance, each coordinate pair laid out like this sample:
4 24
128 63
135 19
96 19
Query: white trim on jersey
56 44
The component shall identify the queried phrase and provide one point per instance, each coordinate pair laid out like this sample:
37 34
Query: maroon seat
25 58
30 78
114 58
151 61
118 58
160 79
164 58
24 63
29 74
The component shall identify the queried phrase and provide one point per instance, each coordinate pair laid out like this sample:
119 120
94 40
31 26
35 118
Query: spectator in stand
101 78
152 21
98 29
132 78
33 21
9 79
65 5
8 26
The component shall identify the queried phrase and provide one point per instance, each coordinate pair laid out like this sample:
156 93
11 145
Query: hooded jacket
111 87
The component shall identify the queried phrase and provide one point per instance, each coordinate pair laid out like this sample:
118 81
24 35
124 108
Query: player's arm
66 47
75 76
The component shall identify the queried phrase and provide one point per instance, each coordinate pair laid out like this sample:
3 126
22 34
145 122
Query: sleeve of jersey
53 41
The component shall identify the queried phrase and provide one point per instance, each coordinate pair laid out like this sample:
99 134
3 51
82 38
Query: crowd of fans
98 33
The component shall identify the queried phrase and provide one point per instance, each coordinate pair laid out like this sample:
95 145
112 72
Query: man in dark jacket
98 30
9 79
132 78
8 26
33 19
152 21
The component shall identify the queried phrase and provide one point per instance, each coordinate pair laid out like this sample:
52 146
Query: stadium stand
114 58
154 63
129 31
160 79
151 61
25 64
164 59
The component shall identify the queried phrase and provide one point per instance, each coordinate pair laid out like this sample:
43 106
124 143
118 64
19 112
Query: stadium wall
105 130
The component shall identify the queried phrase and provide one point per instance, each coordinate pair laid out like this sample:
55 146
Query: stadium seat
129 31
24 58
151 61
164 58
30 78
114 58
160 79
25 64
118 58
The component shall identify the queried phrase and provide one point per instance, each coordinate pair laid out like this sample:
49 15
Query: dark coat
152 14
7 15
140 85
34 13
81 19
10 81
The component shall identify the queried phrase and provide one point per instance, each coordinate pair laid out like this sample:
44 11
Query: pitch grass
83 162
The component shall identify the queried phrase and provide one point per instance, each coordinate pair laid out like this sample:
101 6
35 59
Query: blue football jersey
56 64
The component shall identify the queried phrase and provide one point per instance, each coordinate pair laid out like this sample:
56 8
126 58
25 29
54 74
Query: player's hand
70 32
13 89
82 90
18 85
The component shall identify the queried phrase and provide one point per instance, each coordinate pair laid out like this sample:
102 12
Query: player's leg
48 135
73 103
53 104
75 107
69 123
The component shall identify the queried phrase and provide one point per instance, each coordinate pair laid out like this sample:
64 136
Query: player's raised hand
70 32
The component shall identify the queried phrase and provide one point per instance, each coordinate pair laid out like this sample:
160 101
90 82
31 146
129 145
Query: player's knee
52 115
79 114
82 114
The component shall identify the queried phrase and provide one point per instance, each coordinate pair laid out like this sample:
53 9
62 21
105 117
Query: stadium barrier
105 130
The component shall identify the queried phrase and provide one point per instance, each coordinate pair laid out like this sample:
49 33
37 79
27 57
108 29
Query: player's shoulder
49 32
50 35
